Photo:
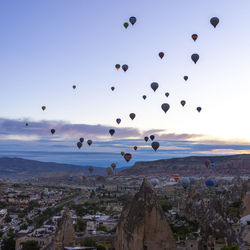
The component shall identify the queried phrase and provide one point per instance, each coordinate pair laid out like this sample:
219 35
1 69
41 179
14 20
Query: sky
48 46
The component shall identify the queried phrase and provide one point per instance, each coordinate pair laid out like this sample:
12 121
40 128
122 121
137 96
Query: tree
233 247
9 244
30 245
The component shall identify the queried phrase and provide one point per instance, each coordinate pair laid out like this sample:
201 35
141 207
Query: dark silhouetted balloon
161 55
207 163
125 25
152 137
135 147
122 153
146 138
125 67
214 21
91 169
209 183
132 116
74 86
127 157
194 37
165 107
132 20
195 58
81 140
52 131
89 142
113 166
112 88
144 97
117 66
79 144
167 94
154 86
183 103
118 121
185 78
26 124
198 109
155 145
111 131
43 108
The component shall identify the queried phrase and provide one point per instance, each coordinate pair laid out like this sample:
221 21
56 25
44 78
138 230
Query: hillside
231 165
18 167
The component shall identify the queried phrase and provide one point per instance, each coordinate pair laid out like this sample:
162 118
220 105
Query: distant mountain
19 168
230 165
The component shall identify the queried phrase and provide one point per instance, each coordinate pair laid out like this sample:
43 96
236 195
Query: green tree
30 245
9 244
233 247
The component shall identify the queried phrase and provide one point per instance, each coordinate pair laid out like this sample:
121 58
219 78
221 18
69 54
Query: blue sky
47 46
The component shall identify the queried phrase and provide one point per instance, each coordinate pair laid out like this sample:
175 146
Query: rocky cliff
143 225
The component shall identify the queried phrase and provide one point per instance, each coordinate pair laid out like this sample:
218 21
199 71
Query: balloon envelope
43 108
185 182
132 116
194 37
199 109
135 147
112 88
125 25
117 66
154 181
185 78
132 20
127 157
214 21
111 131
195 58
74 86
26 124
118 120
167 94
165 107
144 97
152 137
209 183
125 67
155 145
89 142
154 86
122 153
207 163
183 103
79 144
81 140
91 169
52 131
146 138
161 55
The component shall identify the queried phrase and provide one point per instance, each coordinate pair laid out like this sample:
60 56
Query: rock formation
143 225
65 235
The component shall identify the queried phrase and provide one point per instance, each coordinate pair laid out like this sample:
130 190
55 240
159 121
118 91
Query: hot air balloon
144 97
165 107
146 138
161 55
118 120
209 183
26 124
43 108
152 137
132 20
207 163
212 164
79 144
154 181
185 182
135 148
112 88
91 169
195 58
111 131
185 78
167 94
125 67
183 103
109 170
176 177
214 21
132 116
194 37
122 153
127 157
155 145
113 166
52 131
154 86
198 109
117 66
89 142
81 140
74 86
126 25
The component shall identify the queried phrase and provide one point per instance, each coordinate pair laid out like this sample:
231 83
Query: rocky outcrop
65 235
143 225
